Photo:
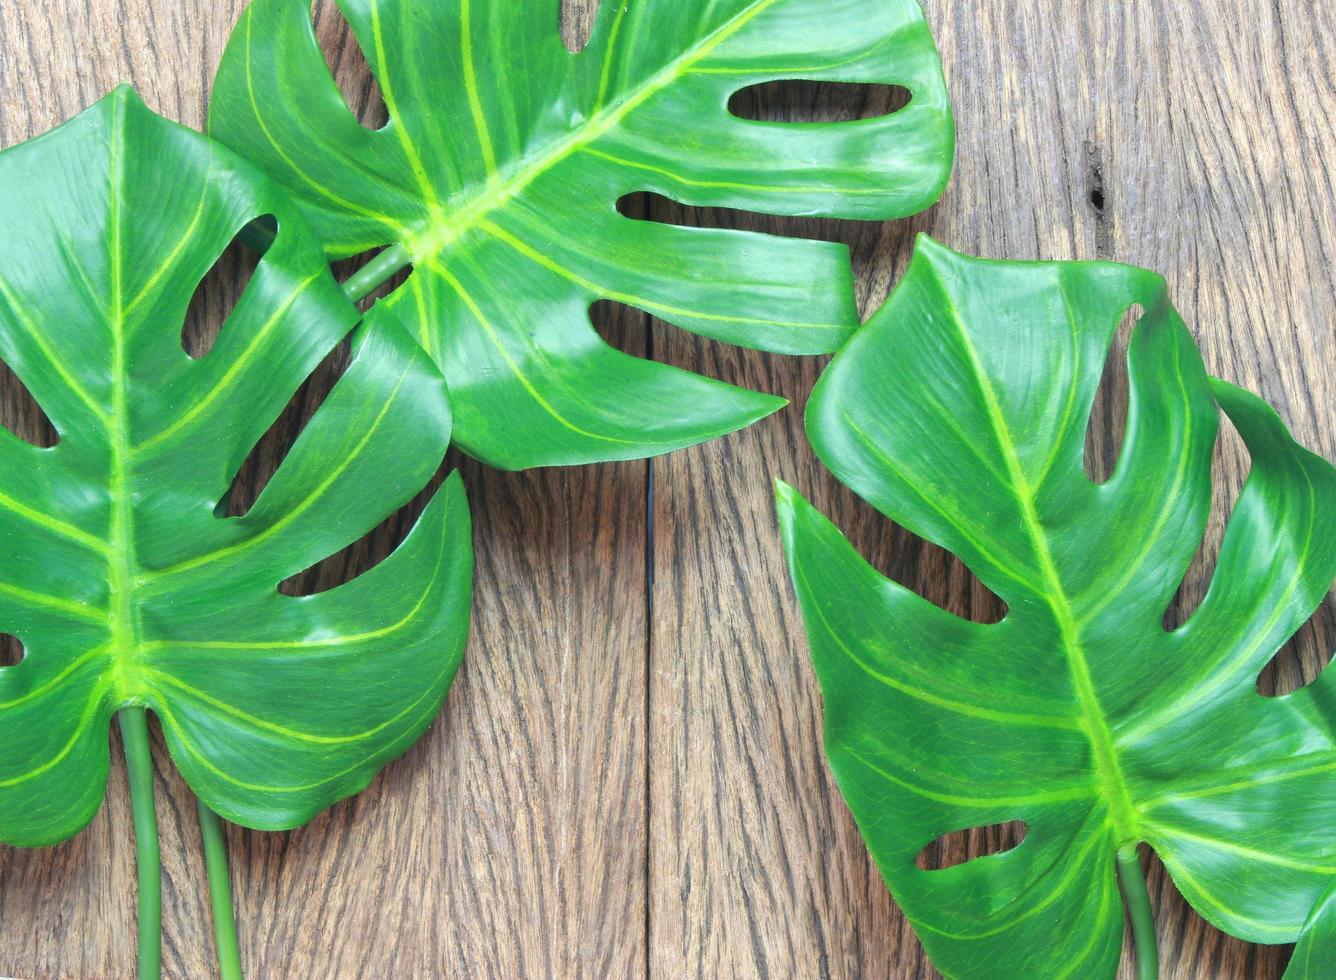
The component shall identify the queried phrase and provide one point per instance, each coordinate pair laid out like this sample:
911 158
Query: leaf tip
929 249
125 95
790 508
763 405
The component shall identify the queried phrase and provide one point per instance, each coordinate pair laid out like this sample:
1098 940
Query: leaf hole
793 100
937 575
1230 464
223 285
367 551
651 206
623 327
273 447
20 413
348 65
11 650
1107 427
639 333
1304 656
962 846
927 569
576 23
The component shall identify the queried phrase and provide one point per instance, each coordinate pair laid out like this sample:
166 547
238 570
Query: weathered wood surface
628 778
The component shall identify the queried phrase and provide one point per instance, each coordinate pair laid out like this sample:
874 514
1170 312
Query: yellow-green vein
230 375
34 333
471 86
76 609
1199 896
1264 779
1060 432
269 726
1051 895
430 241
927 697
979 802
1201 688
173 728
311 182
609 53
322 642
511 363
307 502
953 516
1108 768
183 240
649 305
1239 850
732 184
122 562
84 723
389 94
1110 594
55 681
53 524
1098 934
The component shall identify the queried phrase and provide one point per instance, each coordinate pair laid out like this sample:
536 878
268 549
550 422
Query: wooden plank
511 841
1191 138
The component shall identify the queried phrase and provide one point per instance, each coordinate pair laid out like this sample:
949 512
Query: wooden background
628 778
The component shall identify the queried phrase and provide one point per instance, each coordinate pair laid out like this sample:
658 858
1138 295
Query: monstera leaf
961 413
499 172
125 588
1316 952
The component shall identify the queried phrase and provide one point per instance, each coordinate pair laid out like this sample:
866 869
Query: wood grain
628 777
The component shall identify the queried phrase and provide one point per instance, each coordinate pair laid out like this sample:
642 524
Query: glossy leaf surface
122 583
961 412
1315 954
505 156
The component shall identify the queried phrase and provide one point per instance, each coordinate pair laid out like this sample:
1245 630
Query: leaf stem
260 234
377 272
220 893
148 860
1137 897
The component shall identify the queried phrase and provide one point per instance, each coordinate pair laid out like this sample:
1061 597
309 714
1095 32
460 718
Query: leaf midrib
446 226
1108 770
122 560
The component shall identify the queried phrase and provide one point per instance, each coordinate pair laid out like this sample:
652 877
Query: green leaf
120 581
504 158
960 412
1316 952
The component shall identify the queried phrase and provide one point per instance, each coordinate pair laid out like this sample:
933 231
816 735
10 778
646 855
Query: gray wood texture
628 778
